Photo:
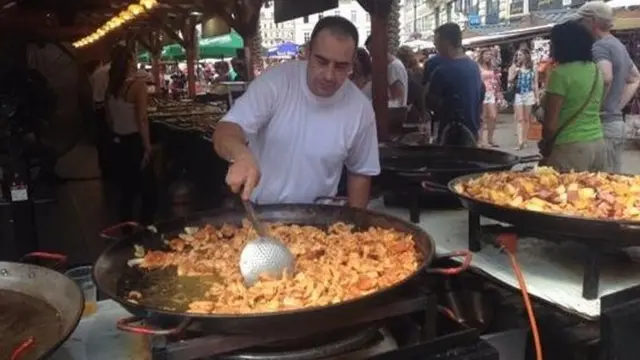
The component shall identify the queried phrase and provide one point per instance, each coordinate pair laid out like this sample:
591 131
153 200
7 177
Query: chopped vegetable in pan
589 195
332 266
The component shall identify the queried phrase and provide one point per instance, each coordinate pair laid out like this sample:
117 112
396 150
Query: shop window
305 19
354 15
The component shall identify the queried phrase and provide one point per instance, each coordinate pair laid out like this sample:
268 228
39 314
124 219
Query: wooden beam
45 32
189 34
167 29
379 56
150 40
144 44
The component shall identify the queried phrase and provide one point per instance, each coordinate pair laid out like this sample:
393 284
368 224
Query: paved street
506 137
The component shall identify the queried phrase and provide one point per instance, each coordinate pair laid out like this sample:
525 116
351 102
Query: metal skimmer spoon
264 255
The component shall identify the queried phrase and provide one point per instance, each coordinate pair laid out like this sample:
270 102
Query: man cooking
289 136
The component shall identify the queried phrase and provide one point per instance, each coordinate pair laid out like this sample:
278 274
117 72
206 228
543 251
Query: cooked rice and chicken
332 266
589 195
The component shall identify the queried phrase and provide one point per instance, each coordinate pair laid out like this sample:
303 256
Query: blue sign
474 20
492 19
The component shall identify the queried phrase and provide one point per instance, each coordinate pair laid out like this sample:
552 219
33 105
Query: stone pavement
505 136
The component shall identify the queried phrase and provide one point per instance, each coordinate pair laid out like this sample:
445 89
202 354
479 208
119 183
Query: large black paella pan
603 231
112 274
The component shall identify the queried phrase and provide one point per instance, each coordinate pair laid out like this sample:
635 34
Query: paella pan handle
630 228
430 185
455 270
129 325
58 259
21 350
116 232
332 200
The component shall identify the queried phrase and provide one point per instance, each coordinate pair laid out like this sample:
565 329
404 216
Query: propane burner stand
479 234
209 345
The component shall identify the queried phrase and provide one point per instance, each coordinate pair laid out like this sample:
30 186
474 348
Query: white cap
597 10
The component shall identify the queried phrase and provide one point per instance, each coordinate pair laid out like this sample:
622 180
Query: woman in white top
127 116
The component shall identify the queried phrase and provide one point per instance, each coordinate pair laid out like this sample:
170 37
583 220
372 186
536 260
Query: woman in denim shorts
523 75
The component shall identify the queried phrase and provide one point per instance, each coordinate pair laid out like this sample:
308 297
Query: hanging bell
214 26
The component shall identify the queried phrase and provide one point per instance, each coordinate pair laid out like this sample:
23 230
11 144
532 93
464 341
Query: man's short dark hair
368 41
337 25
451 33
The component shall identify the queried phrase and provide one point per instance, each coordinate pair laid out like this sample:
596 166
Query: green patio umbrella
221 46
214 47
144 57
173 52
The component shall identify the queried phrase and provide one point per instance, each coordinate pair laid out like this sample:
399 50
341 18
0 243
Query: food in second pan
584 194
332 266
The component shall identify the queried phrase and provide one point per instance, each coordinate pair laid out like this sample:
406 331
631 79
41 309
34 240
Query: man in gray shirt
620 75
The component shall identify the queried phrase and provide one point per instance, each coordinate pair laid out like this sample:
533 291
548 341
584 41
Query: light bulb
125 16
135 9
148 4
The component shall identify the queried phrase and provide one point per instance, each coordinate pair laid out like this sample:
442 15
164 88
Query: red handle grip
114 232
59 259
128 324
468 256
23 348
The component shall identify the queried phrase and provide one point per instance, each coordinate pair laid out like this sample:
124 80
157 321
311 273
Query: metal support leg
430 313
591 279
414 209
475 232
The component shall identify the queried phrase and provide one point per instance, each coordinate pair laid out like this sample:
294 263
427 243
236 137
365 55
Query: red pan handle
456 270
23 348
115 232
59 259
128 324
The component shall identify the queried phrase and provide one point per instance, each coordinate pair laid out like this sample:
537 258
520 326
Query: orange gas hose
527 301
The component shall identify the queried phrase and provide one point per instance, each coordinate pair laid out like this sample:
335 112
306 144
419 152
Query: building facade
349 9
416 19
272 33
423 16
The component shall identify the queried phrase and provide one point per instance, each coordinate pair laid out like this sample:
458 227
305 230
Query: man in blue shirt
454 87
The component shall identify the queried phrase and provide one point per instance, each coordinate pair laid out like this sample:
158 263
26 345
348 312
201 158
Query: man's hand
243 175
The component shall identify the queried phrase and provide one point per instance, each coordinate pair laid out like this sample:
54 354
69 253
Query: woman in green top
570 100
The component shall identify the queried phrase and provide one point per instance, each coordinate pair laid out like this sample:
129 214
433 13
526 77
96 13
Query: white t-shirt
100 82
367 90
302 141
396 71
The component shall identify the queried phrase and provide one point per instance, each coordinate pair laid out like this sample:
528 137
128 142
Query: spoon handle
253 219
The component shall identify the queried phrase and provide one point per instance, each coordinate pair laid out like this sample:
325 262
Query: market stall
188 170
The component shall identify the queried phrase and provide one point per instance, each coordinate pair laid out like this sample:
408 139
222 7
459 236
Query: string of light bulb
125 16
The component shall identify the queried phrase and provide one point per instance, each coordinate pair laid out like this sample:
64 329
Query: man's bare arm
631 86
229 141
606 69
358 190
396 91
